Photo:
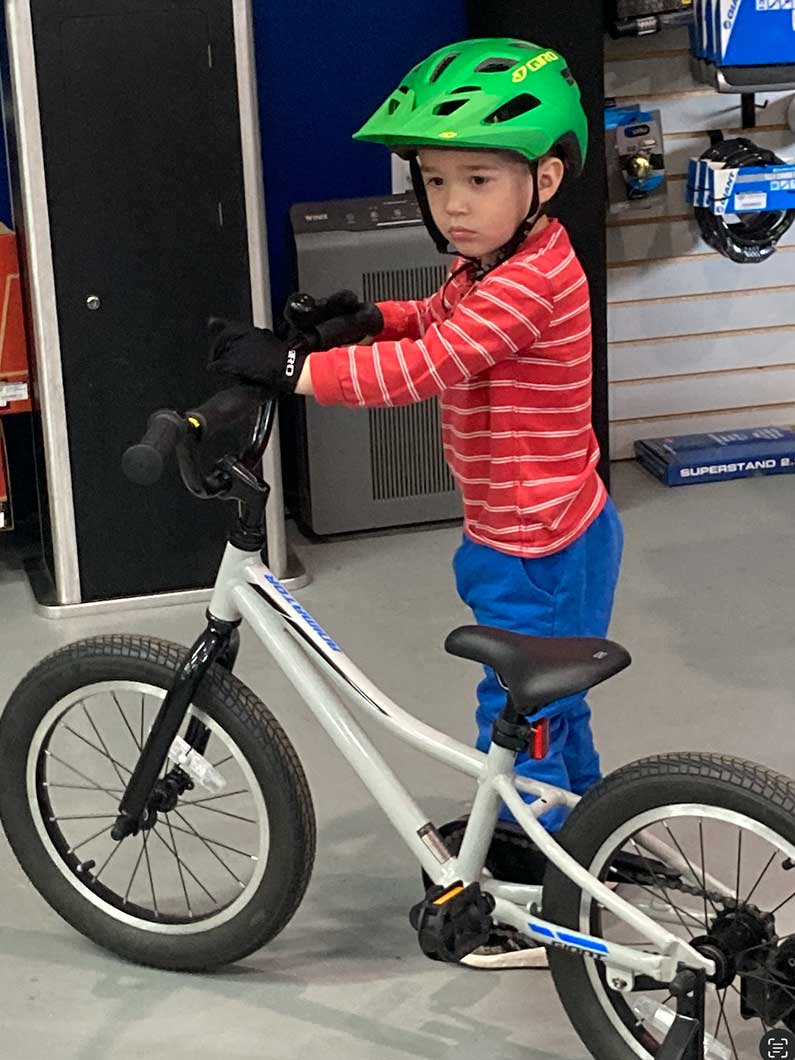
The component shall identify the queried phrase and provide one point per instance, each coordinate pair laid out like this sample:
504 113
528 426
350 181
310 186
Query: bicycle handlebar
143 463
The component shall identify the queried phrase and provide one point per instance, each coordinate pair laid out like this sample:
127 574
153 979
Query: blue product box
749 189
691 458
754 32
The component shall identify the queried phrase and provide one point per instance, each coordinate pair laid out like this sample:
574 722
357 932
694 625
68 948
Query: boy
491 128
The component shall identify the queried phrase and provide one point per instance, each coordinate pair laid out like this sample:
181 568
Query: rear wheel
222 865
728 888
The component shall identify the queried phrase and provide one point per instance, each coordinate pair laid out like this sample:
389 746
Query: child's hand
339 320
245 354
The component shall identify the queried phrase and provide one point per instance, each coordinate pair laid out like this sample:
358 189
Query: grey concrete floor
705 606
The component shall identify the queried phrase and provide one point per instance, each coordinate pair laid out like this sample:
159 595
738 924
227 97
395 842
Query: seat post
510 729
517 733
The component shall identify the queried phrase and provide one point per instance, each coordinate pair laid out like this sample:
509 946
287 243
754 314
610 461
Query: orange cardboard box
14 379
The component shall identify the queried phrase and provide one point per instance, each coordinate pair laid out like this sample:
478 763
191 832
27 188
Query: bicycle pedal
452 921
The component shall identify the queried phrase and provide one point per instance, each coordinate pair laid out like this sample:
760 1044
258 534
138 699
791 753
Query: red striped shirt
509 357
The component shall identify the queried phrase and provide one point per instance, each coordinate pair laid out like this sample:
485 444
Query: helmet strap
507 250
425 207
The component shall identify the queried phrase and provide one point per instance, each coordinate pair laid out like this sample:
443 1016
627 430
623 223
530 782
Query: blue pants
567 594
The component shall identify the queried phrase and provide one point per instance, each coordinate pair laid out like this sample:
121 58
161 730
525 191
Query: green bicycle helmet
494 93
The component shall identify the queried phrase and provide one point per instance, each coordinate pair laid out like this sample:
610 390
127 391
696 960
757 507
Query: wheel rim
197 867
749 858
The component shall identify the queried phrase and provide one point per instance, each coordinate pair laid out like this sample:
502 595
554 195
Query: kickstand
685 1039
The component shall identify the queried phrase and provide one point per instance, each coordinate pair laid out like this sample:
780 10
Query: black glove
247 354
339 320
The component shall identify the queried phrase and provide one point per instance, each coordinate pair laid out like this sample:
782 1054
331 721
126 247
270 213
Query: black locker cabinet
575 28
134 151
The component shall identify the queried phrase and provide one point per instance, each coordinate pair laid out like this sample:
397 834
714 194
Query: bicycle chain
523 842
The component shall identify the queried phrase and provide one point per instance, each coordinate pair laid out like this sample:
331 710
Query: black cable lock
753 236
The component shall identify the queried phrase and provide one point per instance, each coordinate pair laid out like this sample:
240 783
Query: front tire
219 875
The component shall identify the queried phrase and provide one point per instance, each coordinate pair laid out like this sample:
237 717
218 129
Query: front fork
218 643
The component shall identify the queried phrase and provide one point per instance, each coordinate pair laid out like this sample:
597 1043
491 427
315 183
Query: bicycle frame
312 661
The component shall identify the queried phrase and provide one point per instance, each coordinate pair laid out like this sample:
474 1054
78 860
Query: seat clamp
532 737
512 735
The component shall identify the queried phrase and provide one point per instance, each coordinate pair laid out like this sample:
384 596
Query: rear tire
259 908
706 795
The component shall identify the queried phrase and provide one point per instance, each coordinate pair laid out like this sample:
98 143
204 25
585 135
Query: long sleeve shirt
509 358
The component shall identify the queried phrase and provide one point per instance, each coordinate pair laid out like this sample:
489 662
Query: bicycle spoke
728 1028
108 791
703 871
665 895
782 904
134 873
739 849
222 762
179 866
126 722
104 745
693 871
214 809
116 848
214 842
84 787
217 857
86 817
764 870
212 798
94 836
184 864
149 870
94 747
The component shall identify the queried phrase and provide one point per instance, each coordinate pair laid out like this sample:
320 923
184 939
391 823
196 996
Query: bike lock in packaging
744 199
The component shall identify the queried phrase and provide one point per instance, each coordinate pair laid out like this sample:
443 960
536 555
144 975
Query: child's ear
550 176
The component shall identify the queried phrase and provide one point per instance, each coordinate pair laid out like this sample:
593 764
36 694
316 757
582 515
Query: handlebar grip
347 330
225 408
143 463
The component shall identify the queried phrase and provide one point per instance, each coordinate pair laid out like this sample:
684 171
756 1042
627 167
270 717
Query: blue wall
321 71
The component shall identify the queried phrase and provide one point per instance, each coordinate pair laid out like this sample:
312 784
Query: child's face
479 198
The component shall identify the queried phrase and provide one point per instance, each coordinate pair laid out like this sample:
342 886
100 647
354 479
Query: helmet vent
440 69
567 75
393 106
521 104
450 106
524 44
466 88
495 65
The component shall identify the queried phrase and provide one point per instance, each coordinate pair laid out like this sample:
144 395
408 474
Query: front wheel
220 869
727 886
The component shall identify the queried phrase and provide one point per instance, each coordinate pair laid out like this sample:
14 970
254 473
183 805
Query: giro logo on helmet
537 63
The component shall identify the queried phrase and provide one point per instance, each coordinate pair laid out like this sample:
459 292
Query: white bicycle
158 806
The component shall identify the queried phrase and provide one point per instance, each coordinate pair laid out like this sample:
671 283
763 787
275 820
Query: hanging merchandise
744 198
638 18
635 154
744 46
